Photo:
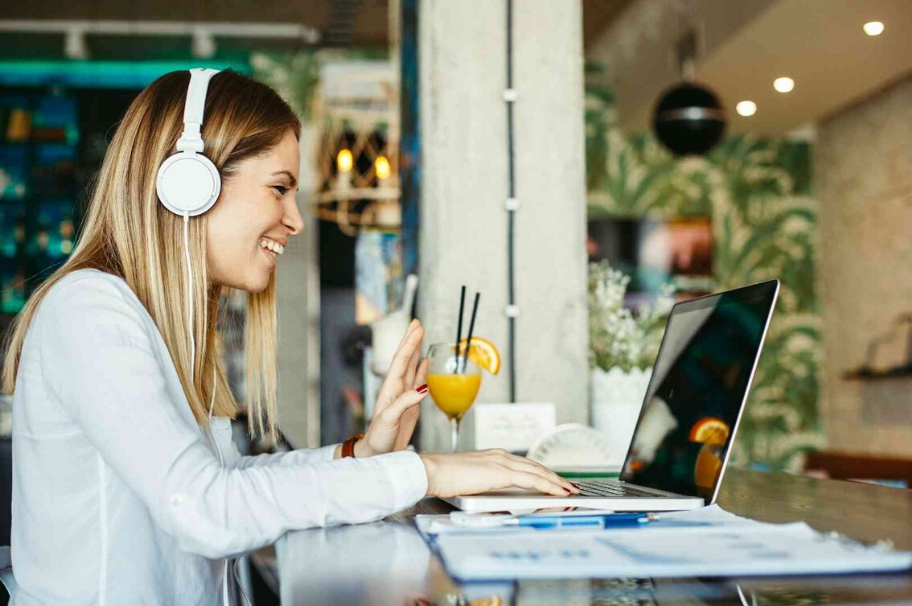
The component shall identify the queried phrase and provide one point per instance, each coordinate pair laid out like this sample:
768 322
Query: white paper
704 542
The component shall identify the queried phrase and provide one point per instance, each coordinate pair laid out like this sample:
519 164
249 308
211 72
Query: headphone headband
193 110
188 183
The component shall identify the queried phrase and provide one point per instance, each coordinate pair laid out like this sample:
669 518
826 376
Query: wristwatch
348 446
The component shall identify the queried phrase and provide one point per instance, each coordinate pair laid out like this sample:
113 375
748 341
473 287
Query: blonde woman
126 486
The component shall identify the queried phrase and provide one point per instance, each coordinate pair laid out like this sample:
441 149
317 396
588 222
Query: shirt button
177 499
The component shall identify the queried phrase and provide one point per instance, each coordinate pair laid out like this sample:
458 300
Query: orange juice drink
454 394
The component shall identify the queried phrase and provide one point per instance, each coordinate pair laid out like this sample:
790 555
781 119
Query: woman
127 488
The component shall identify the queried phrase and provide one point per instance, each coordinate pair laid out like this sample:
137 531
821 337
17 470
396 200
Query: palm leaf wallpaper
759 194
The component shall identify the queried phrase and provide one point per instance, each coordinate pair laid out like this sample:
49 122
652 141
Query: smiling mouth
271 246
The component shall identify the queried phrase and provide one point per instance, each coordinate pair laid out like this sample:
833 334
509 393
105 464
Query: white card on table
514 427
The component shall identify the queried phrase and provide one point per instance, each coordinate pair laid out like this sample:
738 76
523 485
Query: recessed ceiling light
784 85
746 108
874 28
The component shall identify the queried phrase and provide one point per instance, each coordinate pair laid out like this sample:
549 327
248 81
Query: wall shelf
868 374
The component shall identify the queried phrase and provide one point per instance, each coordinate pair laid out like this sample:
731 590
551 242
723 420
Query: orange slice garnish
709 430
483 353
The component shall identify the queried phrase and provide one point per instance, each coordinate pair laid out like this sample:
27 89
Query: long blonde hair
128 233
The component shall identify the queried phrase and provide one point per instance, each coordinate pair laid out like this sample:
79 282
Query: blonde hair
128 233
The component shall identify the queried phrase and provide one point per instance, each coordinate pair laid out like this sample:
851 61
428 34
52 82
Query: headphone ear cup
188 183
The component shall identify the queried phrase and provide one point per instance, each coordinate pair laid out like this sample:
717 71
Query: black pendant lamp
689 118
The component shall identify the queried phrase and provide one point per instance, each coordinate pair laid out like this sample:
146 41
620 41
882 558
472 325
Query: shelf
867 374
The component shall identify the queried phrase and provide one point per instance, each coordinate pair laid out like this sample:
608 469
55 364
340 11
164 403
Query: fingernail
423 389
566 490
575 485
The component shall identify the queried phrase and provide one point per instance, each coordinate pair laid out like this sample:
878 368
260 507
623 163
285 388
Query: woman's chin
255 282
259 284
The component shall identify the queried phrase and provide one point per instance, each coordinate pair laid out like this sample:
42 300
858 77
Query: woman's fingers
532 481
421 374
407 400
524 465
412 325
400 360
412 368
544 473
393 384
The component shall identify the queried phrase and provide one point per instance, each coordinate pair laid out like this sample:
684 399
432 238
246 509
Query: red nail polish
565 490
423 389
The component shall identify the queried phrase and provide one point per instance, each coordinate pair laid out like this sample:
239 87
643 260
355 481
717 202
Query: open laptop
694 402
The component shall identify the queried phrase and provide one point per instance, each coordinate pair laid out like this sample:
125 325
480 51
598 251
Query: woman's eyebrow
290 176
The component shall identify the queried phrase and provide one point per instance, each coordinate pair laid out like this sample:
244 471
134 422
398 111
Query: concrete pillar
298 294
464 185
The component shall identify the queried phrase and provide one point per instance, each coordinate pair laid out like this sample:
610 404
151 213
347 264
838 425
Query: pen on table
613 520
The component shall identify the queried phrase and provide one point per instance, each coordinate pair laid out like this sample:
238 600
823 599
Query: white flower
617 336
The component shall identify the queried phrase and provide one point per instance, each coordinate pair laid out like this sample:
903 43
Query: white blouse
119 496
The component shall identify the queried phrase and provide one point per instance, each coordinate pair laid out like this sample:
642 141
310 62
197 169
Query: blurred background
543 154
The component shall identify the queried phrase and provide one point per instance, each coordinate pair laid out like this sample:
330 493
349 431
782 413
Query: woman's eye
281 189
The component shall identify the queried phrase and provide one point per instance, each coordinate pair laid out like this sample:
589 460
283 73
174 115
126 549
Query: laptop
689 418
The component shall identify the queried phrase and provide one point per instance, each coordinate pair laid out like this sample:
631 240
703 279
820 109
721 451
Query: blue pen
604 520
615 520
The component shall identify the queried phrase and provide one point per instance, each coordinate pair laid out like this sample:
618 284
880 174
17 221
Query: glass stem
454 424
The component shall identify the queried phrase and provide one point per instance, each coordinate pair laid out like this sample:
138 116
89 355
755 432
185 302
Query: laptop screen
698 387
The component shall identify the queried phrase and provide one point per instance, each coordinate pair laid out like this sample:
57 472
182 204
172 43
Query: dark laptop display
694 399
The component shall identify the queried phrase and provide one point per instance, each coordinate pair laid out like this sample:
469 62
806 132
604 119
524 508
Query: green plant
760 196
619 337
294 75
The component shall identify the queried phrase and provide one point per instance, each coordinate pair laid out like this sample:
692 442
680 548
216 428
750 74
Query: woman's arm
101 360
300 456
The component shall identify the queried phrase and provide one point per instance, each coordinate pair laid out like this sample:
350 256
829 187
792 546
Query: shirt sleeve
100 360
299 456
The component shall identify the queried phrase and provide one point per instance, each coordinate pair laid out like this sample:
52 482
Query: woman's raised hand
465 473
398 403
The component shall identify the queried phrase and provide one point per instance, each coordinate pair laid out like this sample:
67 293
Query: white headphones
188 183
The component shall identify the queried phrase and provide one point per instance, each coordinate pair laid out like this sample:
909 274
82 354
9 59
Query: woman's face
255 215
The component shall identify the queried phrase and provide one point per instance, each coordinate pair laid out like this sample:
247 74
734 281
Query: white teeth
274 247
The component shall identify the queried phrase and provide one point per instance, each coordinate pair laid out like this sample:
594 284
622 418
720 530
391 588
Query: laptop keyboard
595 488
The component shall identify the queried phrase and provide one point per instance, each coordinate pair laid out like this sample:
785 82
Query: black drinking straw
459 328
471 330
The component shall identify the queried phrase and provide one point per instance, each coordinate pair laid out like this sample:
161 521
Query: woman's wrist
430 468
361 450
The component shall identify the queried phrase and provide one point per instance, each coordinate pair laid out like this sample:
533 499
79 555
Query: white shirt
118 494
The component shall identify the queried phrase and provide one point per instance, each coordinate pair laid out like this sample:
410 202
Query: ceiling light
746 108
784 85
203 45
874 28
74 46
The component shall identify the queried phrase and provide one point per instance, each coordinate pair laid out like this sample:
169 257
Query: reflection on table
388 563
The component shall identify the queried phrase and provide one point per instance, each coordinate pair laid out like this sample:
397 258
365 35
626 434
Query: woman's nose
293 219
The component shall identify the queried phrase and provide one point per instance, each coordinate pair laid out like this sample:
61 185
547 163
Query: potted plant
623 345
